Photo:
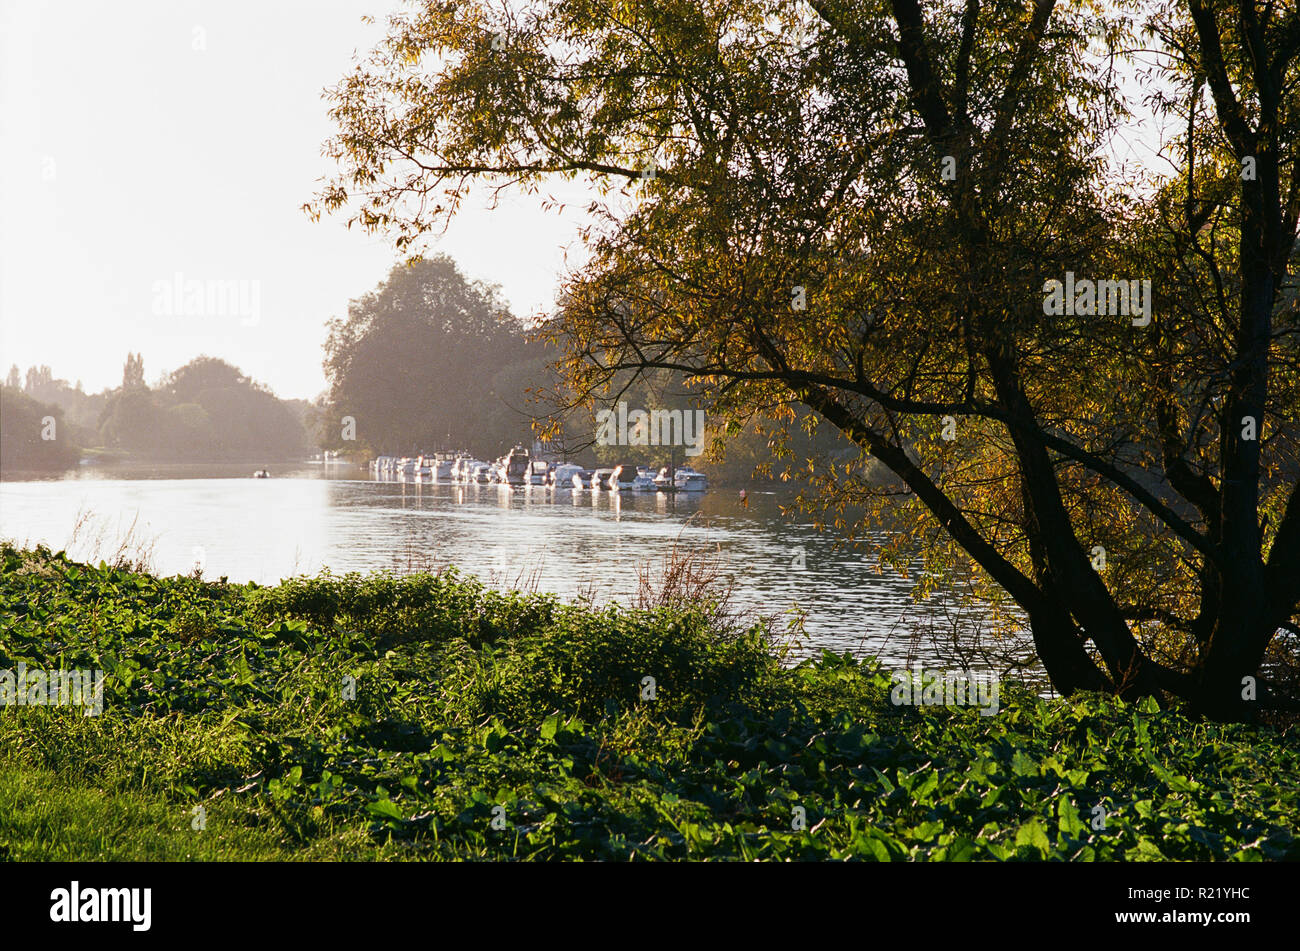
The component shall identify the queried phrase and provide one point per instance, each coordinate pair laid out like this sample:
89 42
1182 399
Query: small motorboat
562 475
688 480
516 466
442 466
261 474
623 478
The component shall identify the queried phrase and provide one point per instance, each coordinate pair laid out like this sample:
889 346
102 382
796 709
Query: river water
308 517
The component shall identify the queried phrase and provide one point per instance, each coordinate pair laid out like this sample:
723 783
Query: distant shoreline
107 461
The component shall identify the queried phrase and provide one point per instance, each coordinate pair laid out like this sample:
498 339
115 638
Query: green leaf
1068 818
884 781
385 809
549 726
927 786
1033 835
1022 765
878 849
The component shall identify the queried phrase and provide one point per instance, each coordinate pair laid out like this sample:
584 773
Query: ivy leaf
1033 835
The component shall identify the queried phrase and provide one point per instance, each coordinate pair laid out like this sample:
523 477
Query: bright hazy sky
128 156
148 139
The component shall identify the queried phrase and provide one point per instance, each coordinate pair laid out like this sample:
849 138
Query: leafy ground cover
427 717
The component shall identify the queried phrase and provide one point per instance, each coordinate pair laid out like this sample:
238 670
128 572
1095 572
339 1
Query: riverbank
370 717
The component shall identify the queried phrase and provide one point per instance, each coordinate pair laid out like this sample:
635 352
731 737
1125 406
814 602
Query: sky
154 145
159 144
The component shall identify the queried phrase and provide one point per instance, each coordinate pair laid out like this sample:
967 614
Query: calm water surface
308 517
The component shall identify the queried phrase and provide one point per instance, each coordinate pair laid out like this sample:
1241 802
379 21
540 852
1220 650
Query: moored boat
562 475
689 480
623 478
515 466
442 465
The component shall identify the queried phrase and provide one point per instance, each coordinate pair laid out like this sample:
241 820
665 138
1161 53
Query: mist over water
306 518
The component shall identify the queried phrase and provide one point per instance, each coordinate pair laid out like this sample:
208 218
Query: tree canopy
33 435
877 209
429 360
206 409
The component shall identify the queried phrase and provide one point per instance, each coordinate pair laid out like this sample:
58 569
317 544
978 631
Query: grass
48 818
428 717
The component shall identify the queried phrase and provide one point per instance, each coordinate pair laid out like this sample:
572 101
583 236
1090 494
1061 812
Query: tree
875 210
132 420
206 409
133 372
414 362
32 434
38 379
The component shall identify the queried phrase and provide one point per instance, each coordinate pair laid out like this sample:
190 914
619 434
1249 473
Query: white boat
644 482
465 470
688 480
515 466
562 475
537 472
623 478
664 481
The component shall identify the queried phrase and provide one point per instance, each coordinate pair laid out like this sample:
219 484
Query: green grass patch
426 717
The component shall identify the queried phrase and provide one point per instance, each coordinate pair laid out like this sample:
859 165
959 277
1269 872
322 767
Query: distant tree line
206 410
428 360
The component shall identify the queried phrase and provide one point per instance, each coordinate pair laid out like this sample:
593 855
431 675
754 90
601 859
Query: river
308 517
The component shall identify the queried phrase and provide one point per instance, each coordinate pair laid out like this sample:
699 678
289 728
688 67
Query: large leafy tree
414 362
857 205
